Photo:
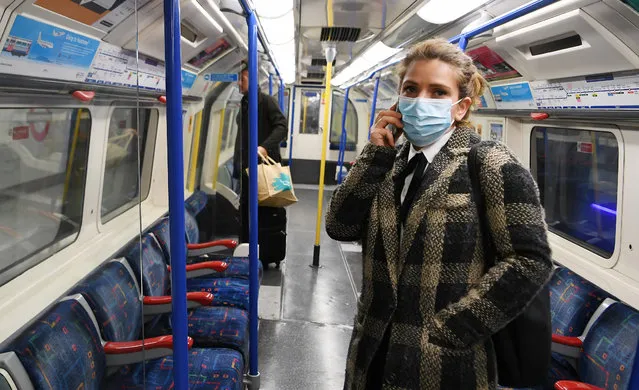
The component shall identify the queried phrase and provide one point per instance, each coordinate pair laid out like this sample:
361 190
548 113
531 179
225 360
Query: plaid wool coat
433 291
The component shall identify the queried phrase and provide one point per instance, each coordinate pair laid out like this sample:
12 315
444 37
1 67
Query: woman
428 306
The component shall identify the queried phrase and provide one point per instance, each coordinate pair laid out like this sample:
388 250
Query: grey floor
304 332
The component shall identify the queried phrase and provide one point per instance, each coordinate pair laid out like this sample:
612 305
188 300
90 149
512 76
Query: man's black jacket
271 130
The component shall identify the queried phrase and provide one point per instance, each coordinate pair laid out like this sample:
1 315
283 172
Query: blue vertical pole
270 84
254 283
342 144
280 95
463 42
374 107
290 143
176 191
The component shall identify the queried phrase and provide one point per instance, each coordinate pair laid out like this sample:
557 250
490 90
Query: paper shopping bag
274 184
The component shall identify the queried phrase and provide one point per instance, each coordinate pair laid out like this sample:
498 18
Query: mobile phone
396 132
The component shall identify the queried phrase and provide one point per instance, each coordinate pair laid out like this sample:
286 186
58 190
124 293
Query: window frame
303 92
43 254
149 153
351 108
563 245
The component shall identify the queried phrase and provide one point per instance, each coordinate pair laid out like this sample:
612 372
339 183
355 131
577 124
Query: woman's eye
409 89
440 93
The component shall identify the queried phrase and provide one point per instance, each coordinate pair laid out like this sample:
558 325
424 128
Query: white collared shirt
430 152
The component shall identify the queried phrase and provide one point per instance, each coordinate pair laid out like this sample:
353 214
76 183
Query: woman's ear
462 108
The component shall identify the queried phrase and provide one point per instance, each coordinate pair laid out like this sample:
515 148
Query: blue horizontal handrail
260 34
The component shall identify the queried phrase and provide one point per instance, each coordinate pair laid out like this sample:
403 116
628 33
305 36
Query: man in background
271 131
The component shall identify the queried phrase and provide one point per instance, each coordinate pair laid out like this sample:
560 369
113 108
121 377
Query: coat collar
434 186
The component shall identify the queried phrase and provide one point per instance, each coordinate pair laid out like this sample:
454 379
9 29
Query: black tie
419 162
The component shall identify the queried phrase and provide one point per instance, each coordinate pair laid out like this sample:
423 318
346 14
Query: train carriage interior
123 262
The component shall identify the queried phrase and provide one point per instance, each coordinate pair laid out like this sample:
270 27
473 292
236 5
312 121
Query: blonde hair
470 83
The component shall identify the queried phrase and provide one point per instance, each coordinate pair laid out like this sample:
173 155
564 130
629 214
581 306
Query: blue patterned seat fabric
196 202
609 351
162 233
238 266
573 301
230 292
211 327
113 296
218 368
62 350
220 326
156 276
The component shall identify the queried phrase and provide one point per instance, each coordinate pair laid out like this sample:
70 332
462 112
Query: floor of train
306 314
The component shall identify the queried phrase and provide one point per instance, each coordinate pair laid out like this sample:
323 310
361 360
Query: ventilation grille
315 75
309 82
320 62
339 34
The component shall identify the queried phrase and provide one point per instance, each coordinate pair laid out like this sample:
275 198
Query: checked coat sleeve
523 264
351 203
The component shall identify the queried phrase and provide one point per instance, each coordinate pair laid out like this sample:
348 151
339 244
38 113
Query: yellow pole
76 131
195 151
330 52
216 163
320 198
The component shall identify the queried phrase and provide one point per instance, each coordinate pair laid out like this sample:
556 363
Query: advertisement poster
38 49
188 79
101 14
210 53
115 66
513 96
496 132
491 65
619 91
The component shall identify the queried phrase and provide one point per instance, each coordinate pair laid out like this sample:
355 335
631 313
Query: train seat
238 265
215 323
196 205
607 354
228 291
63 350
573 300
197 252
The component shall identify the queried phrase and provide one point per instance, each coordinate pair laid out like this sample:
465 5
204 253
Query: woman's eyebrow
441 86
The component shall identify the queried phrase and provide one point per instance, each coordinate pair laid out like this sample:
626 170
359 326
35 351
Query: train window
287 101
195 151
350 124
229 127
310 114
120 190
43 164
577 172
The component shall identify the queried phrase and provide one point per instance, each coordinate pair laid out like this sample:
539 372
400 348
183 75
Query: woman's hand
380 135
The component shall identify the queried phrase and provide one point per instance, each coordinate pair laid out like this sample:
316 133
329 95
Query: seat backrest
573 300
155 275
610 348
62 349
196 202
162 234
192 228
113 296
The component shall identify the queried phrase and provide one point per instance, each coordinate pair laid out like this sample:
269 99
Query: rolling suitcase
272 235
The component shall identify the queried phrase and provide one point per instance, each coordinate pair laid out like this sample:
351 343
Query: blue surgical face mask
425 120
